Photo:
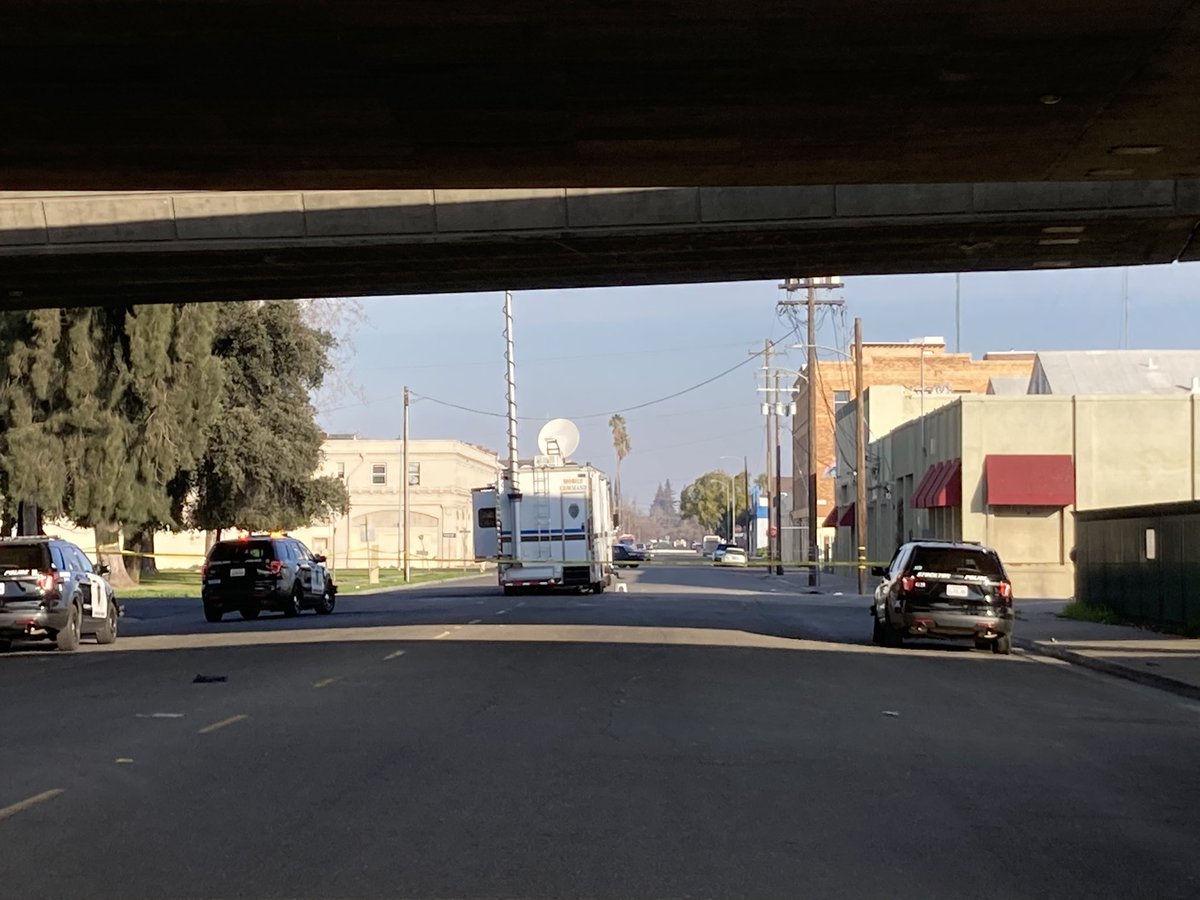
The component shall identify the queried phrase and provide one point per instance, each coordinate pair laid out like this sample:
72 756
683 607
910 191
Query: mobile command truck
553 528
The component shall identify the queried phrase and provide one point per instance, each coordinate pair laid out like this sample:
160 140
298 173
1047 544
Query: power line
600 415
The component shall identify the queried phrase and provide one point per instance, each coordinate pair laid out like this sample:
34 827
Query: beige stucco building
1009 471
441 476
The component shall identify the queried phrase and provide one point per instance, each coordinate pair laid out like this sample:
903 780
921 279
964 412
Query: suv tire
68 637
291 606
878 636
107 632
1002 645
327 602
213 613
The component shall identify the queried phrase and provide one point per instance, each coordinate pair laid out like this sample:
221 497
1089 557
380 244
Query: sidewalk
1164 661
844 581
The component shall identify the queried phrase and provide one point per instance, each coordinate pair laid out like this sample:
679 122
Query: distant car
265 572
49 589
719 552
627 556
696 546
944 589
733 555
646 551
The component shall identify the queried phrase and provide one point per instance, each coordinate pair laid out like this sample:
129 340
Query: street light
732 501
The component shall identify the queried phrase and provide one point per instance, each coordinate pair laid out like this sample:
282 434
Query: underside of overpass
310 94
67 249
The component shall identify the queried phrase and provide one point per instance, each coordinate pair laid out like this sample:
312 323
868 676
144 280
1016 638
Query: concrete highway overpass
85 248
310 94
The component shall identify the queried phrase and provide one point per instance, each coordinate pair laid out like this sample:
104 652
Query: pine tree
102 407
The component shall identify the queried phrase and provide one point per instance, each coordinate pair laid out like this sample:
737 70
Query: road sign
773 531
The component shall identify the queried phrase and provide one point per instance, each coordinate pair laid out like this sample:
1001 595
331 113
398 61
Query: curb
1150 679
412 587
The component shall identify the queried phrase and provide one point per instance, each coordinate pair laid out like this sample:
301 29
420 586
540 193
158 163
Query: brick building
921 365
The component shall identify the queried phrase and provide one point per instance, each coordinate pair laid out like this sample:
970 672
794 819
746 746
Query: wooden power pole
860 462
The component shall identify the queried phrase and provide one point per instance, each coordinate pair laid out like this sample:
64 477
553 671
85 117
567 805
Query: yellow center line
28 802
324 682
215 725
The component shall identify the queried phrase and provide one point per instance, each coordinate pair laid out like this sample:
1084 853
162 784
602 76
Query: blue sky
582 354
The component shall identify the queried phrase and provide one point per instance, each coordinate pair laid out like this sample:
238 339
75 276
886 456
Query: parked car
49 590
647 551
944 589
733 556
719 551
265 572
627 556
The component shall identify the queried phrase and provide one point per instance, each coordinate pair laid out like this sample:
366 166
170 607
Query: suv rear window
241 551
955 561
20 558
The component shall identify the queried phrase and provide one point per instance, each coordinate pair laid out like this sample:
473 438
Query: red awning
923 487
1023 479
847 517
831 520
940 487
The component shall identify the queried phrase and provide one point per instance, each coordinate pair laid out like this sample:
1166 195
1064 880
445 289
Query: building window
341 470
840 399
1151 544
414 473
379 473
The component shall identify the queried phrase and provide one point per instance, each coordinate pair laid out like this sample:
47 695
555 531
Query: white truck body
565 534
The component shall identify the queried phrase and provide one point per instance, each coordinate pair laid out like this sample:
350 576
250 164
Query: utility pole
860 462
778 481
404 492
768 407
958 312
746 487
811 303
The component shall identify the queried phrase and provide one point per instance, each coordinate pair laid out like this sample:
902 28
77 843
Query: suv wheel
107 632
892 636
68 636
291 607
1002 645
326 603
213 613
878 637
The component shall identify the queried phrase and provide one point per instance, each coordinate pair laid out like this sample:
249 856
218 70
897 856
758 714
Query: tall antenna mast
1125 308
510 389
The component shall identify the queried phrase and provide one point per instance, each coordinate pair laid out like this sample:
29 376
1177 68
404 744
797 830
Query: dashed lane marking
25 804
475 621
395 654
208 729
325 682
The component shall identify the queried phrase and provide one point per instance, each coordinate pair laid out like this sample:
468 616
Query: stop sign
773 531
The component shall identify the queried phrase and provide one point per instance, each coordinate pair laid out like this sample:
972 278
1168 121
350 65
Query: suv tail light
204 570
1004 589
276 567
47 581
907 583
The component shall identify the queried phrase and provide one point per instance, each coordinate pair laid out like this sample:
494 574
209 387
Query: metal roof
1008 384
1116 372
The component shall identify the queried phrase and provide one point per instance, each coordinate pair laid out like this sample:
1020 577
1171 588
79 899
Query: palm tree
622 445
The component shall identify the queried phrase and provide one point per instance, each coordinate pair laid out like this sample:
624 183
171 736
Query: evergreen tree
101 407
257 471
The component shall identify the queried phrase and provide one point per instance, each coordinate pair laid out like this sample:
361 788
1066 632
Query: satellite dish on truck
558 438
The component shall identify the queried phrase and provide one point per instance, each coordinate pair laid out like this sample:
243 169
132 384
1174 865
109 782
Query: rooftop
1116 372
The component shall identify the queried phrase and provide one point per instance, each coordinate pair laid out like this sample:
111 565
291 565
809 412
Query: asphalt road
707 734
